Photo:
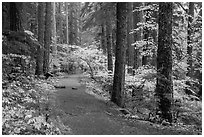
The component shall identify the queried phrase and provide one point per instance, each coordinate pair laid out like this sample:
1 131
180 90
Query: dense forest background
145 56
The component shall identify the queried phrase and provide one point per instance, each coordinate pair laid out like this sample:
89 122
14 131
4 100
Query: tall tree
109 39
103 38
41 28
71 24
47 36
54 29
130 38
119 74
164 86
67 22
189 39
15 22
59 21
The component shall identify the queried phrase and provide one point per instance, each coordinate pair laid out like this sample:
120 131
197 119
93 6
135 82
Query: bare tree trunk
119 74
67 22
54 30
41 29
15 22
103 38
47 37
109 41
164 86
130 39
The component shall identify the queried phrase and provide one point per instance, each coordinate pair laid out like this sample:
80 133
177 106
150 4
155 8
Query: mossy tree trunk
164 86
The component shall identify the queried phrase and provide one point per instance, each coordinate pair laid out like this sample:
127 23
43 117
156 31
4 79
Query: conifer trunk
47 37
41 28
164 86
121 35
109 42
130 39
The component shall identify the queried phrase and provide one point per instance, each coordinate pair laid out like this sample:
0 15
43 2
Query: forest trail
87 115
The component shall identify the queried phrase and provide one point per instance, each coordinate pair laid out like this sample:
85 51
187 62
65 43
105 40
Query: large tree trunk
109 41
119 74
41 28
190 40
130 39
164 86
47 38
138 35
15 22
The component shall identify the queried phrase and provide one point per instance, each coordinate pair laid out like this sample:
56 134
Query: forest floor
86 114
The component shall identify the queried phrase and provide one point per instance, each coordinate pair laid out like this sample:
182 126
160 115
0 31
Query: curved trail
87 115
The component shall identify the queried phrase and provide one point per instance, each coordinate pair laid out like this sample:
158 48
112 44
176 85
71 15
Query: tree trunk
138 35
67 22
54 30
71 24
190 40
15 23
41 28
130 39
103 38
47 37
109 41
164 86
119 74
60 24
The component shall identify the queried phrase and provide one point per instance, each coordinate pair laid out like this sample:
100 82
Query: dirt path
87 115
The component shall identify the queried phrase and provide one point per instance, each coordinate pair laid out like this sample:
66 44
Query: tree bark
130 39
103 38
15 22
119 74
190 40
54 30
67 22
47 37
41 28
109 41
164 86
